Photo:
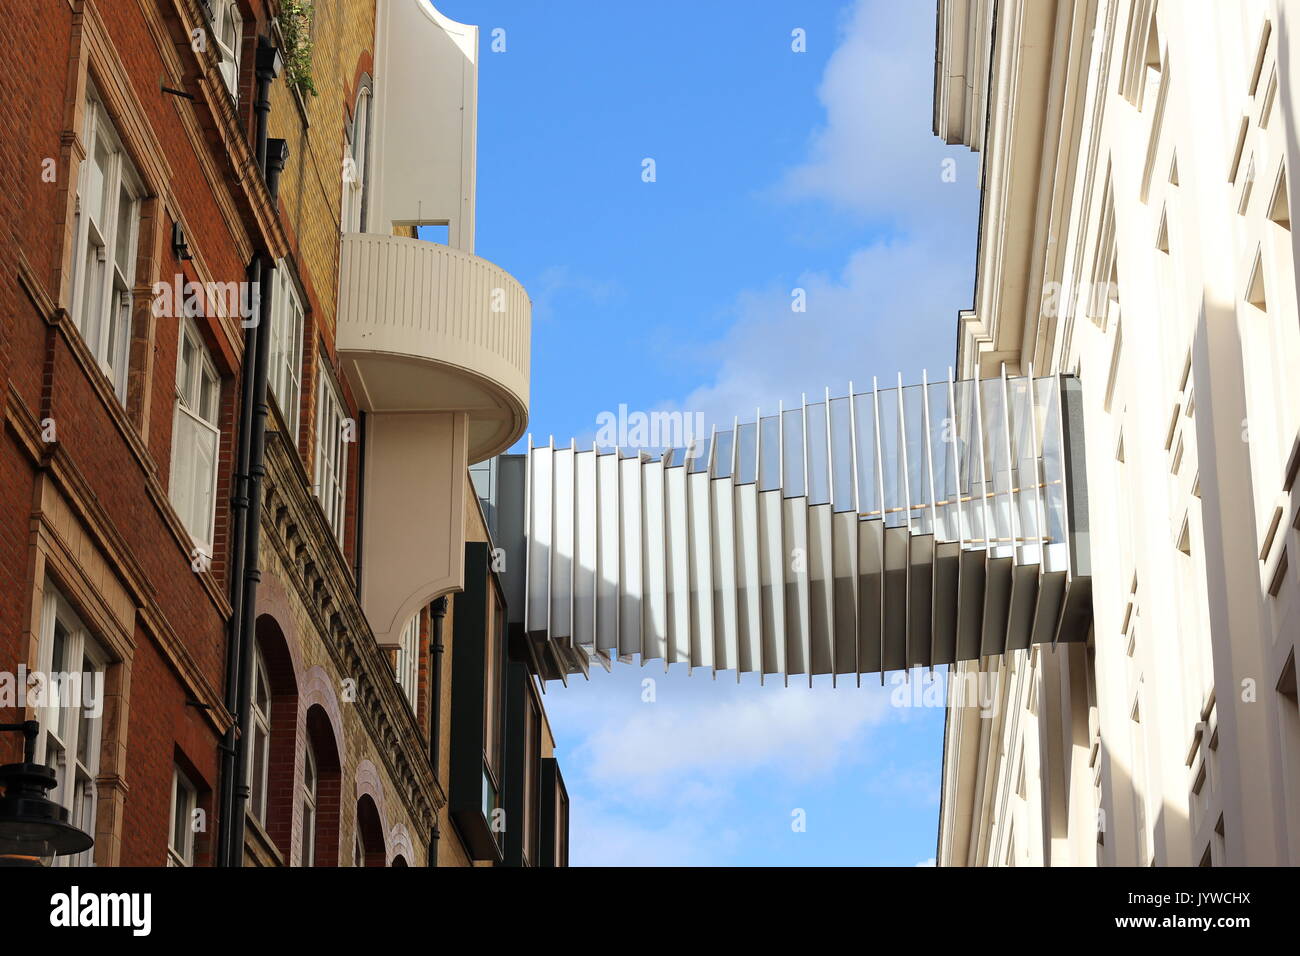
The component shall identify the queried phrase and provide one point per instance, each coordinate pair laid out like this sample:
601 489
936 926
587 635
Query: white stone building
1137 159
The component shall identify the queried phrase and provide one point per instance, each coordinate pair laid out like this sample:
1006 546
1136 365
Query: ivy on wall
295 20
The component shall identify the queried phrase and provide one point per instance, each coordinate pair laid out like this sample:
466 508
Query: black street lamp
33 828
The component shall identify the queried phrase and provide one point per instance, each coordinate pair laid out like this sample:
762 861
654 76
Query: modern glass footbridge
882 530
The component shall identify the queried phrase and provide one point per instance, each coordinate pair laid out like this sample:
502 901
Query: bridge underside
889 529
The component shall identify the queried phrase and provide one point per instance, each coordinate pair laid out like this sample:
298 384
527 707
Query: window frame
473 778
532 776
103 316
182 789
310 787
261 725
353 211
408 659
81 799
553 816
202 389
562 826
288 327
223 12
494 697
1141 771
358 849
331 474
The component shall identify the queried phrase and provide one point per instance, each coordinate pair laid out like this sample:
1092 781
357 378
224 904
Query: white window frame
288 320
193 483
259 800
310 796
69 741
105 244
353 217
331 453
180 837
408 658
226 18
1141 772
532 777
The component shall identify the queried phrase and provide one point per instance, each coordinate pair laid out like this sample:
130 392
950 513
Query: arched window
309 797
273 767
355 166
259 752
321 787
368 846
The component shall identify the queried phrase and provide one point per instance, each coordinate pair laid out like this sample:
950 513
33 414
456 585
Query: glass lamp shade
33 828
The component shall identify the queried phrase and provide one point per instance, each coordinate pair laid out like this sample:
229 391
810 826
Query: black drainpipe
252 571
268 66
246 505
277 153
439 610
238 521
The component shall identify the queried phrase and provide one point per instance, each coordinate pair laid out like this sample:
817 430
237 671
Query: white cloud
674 781
600 837
875 153
929 862
694 749
558 283
892 306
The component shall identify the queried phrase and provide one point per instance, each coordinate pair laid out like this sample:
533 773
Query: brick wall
110 462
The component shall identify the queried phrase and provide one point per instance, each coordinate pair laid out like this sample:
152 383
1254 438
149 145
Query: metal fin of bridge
893 528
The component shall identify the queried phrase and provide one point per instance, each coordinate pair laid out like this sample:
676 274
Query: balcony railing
425 327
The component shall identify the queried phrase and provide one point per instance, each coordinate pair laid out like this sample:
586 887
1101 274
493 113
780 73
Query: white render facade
1137 159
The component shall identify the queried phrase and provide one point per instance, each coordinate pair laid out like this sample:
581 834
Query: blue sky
775 170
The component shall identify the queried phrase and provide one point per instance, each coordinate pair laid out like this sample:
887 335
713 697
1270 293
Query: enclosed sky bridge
893 528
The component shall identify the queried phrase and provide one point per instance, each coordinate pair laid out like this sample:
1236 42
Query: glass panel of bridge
917 435
997 464
943 459
792 459
841 454
747 457
697 455
769 466
819 465
1024 446
970 470
864 415
723 445
1047 397
892 458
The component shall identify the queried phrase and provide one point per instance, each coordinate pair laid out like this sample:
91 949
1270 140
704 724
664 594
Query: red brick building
182 183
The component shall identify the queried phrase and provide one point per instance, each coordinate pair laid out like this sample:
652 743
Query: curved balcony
423 327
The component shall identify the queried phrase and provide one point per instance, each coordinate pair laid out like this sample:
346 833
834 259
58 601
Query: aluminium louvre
900 527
